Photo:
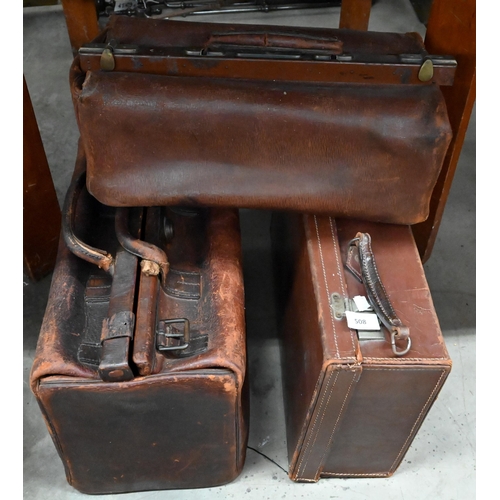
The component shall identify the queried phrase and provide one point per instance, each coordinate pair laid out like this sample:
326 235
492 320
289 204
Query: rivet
426 71
107 60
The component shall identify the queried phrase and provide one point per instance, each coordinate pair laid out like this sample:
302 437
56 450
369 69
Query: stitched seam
379 302
411 431
341 277
326 286
402 360
419 418
399 370
338 418
330 392
314 423
352 475
349 264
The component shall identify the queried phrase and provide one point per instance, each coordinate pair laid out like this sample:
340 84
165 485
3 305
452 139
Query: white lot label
121 5
362 321
361 303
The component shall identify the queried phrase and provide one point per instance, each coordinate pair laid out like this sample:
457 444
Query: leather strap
153 259
121 324
96 298
377 295
276 40
100 258
183 284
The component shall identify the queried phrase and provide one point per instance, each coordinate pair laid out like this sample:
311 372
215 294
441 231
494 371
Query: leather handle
376 292
276 41
96 256
154 260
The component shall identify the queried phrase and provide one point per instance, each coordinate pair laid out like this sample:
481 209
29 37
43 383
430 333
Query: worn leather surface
161 33
358 151
358 416
184 423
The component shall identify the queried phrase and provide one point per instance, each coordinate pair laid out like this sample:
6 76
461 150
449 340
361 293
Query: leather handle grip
377 294
276 40
154 260
96 256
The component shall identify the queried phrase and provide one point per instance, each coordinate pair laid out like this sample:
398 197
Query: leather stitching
307 448
338 259
430 398
353 475
326 286
402 360
330 392
350 266
411 431
338 418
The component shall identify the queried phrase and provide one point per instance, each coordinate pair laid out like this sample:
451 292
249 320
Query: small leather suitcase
140 373
348 123
354 399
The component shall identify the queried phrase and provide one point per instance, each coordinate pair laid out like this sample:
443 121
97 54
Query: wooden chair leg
355 14
41 212
81 21
451 30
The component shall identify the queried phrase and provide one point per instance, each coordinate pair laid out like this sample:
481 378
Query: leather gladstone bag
348 123
140 366
364 390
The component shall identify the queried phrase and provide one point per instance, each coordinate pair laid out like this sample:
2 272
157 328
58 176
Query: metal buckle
164 330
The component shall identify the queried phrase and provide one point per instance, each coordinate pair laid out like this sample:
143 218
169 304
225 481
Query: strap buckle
174 340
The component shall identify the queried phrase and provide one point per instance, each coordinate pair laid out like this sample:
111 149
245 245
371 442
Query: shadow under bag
141 377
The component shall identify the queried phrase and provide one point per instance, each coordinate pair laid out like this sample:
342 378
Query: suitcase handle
154 260
276 41
376 292
100 258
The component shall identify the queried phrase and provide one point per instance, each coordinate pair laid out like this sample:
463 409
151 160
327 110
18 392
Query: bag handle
154 260
270 40
376 292
100 258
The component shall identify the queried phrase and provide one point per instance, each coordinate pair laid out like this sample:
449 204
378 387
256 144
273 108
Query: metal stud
426 71
107 60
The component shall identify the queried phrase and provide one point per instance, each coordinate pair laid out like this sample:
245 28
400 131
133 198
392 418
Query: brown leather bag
347 123
140 373
363 394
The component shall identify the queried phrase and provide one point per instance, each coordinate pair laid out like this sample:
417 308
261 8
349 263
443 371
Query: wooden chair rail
41 212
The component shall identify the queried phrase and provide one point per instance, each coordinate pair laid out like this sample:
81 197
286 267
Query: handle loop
154 260
376 292
100 258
